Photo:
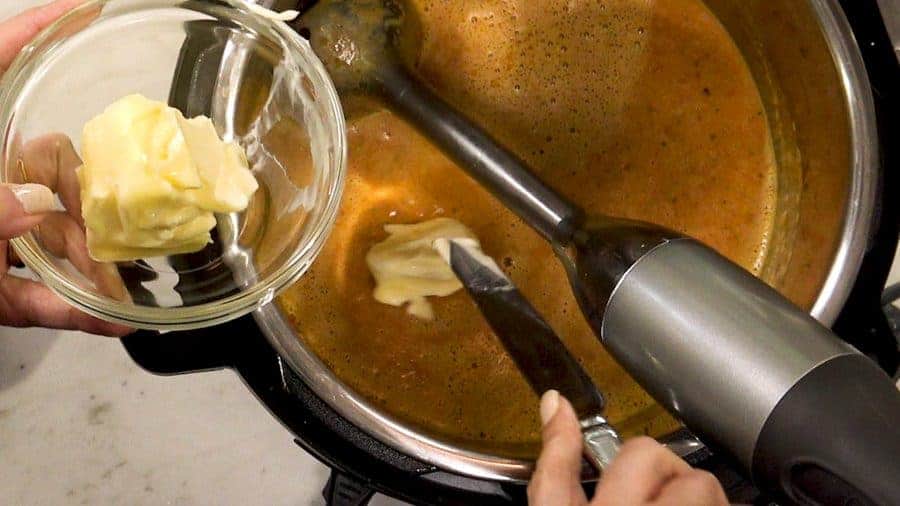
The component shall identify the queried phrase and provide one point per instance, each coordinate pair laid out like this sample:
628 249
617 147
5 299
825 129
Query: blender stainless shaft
496 168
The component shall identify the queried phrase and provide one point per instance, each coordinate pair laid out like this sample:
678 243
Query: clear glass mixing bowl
262 86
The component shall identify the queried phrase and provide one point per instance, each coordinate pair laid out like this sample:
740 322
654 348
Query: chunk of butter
407 268
152 180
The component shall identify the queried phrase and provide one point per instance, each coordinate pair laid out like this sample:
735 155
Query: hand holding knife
533 345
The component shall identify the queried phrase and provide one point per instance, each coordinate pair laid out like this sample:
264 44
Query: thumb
22 207
557 475
18 31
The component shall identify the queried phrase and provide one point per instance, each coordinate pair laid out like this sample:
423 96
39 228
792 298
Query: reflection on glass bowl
261 85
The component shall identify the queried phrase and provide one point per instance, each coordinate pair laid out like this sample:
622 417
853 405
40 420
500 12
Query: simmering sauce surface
636 108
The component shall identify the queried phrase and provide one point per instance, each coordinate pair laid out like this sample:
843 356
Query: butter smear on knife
407 268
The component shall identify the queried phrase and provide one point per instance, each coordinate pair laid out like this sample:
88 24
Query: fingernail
35 198
549 405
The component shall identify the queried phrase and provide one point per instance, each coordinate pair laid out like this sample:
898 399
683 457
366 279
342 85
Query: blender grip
752 374
833 438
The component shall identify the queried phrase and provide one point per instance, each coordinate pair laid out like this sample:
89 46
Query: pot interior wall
786 50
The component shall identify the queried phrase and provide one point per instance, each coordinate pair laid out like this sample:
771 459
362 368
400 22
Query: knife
533 345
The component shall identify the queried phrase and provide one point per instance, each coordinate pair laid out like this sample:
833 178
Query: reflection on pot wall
784 47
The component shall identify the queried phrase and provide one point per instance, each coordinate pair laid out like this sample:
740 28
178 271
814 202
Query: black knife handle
537 351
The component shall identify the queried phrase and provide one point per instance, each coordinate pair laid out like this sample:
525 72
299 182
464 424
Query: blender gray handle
601 441
500 171
753 374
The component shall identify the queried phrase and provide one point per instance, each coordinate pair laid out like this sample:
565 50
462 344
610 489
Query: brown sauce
636 108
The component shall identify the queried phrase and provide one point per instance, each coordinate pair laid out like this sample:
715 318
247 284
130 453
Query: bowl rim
245 301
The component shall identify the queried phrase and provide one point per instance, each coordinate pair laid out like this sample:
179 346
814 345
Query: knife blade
533 345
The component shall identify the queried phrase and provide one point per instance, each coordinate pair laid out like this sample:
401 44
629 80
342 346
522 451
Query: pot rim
856 232
859 222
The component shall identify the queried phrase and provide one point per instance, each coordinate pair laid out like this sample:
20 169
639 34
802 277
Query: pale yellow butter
152 180
407 268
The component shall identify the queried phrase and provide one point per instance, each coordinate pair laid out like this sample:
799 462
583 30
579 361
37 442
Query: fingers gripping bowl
270 95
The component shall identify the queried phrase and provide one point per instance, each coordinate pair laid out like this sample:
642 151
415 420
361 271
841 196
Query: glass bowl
262 86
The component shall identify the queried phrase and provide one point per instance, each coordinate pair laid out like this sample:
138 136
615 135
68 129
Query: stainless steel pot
819 103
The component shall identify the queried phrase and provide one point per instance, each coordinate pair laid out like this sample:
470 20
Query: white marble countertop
80 423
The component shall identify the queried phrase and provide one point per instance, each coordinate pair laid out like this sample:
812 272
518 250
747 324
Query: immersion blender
756 377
